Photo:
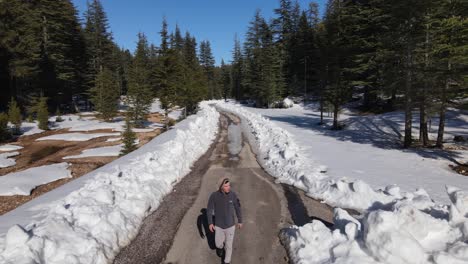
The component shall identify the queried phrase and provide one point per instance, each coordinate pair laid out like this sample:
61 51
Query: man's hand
212 228
239 225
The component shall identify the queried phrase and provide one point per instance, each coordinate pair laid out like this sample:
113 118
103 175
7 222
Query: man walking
221 206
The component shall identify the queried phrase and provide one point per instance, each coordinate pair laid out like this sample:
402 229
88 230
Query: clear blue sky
213 20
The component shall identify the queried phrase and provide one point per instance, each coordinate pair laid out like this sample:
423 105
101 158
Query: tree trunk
443 106
423 132
321 111
408 102
335 117
321 103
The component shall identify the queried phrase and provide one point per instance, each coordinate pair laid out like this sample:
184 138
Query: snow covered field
86 121
89 219
6 160
9 147
77 136
366 149
398 224
110 151
23 182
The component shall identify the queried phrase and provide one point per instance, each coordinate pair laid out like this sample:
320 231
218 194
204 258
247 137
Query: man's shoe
219 252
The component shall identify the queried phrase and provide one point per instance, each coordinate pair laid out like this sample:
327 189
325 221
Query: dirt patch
460 169
39 153
156 118
44 152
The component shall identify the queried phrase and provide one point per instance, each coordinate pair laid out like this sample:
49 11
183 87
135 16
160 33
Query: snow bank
23 182
402 233
6 160
280 156
77 136
288 103
108 205
9 147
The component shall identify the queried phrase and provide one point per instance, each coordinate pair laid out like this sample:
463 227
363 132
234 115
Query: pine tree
195 84
62 48
451 55
225 80
20 35
236 70
140 95
105 94
208 63
263 74
42 114
14 116
164 38
98 41
284 27
129 138
338 90
4 131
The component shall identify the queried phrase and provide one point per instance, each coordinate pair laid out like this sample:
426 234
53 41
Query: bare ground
39 153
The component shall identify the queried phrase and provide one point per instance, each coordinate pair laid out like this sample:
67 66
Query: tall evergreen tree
4 131
105 94
42 113
263 76
14 116
451 54
236 70
225 80
208 63
98 41
140 95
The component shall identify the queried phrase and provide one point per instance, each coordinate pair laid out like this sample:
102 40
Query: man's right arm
210 210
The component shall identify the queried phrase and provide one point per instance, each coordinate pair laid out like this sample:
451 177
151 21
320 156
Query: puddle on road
234 139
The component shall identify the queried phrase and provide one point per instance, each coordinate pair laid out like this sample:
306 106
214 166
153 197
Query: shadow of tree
382 132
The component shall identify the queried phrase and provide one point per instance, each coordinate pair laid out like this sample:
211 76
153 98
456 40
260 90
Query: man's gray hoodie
222 206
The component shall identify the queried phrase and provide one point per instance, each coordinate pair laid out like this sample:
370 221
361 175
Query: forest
386 55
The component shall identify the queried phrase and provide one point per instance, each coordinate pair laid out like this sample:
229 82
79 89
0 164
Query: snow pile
23 182
6 160
9 147
403 233
280 156
92 223
30 128
77 136
110 151
288 103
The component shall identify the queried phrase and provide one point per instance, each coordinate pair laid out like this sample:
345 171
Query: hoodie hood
221 182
